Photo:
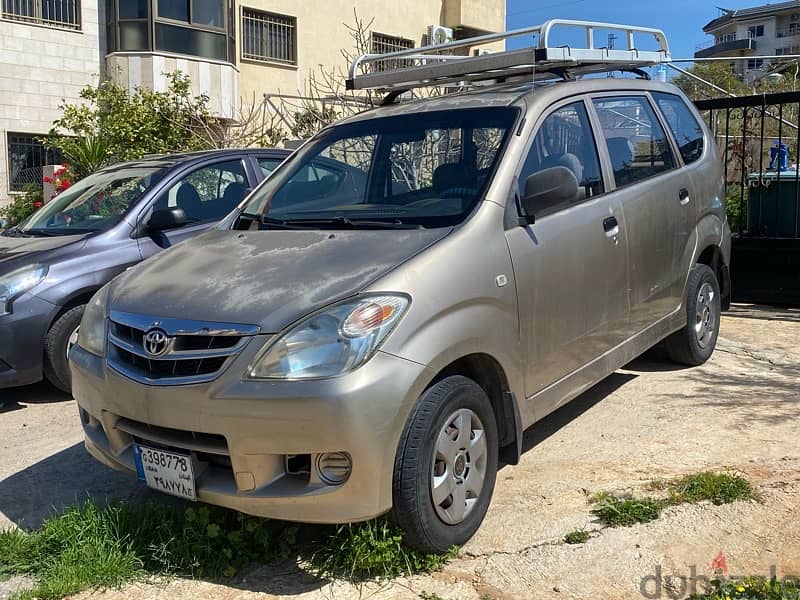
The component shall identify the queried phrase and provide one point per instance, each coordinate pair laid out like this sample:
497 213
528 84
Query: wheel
446 466
62 336
694 343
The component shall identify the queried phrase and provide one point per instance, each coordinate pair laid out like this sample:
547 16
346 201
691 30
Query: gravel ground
649 420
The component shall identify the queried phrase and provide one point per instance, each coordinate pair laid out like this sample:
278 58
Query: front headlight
18 282
92 333
331 342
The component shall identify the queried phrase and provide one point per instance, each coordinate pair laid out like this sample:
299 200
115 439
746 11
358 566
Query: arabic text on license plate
166 471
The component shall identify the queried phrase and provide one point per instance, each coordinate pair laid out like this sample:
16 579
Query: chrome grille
197 351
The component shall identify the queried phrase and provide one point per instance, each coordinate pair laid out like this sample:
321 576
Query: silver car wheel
706 317
72 340
459 466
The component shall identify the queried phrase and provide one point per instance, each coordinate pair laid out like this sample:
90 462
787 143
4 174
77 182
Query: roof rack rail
437 65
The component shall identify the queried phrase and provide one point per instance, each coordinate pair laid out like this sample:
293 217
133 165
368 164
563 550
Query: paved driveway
650 420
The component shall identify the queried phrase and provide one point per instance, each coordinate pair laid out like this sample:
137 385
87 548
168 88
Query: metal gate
759 141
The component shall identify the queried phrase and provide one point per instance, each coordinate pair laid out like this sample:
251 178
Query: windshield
95 203
426 169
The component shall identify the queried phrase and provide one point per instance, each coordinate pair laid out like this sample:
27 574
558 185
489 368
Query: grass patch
90 546
579 536
719 488
624 512
372 549
754 588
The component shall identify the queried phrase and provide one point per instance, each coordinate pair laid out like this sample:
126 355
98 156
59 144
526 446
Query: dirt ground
649 420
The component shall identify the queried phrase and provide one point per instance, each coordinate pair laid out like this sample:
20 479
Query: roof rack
437 64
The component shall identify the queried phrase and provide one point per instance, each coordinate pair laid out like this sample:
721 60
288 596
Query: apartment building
767 30
234 51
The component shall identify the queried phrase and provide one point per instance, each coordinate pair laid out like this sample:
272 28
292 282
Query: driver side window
565 139
208 193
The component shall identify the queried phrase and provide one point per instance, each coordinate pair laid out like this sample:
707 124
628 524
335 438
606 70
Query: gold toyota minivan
377 324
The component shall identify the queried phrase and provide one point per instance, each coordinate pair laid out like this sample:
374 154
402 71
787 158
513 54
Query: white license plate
166 471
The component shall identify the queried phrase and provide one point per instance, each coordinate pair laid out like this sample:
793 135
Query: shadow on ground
38 393
57 482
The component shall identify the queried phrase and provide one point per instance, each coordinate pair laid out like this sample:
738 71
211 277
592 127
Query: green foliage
22 205
719 488
311 119
624 512
718 73
91 547
96 547
579 536
752 588
372 549
110 124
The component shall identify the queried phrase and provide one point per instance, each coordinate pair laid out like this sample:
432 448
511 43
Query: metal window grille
381 44
26 157
55 13
269 37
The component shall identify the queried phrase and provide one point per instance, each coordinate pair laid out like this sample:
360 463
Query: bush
22 205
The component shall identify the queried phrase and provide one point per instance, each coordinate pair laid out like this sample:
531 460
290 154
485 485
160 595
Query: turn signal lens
369 316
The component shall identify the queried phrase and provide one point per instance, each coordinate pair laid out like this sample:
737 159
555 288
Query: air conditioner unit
438 34
482 52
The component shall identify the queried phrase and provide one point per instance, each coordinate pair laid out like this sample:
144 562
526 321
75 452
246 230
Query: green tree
111 124
719 73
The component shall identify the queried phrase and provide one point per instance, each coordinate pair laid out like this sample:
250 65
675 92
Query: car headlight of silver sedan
92 333
18 282
333 341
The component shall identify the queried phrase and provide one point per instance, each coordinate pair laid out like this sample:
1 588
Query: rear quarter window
683 125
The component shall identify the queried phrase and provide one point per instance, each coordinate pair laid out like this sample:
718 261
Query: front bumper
258 424
22 336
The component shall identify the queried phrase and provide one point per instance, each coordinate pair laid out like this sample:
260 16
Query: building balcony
731 48
219 80
476 16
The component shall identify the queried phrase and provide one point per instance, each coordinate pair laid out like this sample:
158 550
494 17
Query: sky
681 20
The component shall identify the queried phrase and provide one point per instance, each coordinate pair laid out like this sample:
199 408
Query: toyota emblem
157 342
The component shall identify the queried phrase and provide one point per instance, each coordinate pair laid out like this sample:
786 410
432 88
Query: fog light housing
334 468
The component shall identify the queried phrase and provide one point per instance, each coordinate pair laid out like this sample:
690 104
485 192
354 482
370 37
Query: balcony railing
53 13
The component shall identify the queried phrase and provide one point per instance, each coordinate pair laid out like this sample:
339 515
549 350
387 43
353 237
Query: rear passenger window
636 142
565 140
683 124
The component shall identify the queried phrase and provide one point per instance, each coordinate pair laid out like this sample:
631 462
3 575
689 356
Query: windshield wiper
277 223
41 233
357 223
14 232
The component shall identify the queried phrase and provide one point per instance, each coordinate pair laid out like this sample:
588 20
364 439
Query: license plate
164 471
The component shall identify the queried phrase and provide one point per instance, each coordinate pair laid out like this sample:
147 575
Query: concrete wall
322 34
40 66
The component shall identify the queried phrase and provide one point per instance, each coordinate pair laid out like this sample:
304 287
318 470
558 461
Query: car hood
29 249
266 278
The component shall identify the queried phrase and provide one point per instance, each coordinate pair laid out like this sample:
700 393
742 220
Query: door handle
683 196
611 227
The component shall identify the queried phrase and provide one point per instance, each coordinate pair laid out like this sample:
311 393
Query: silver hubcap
706 318
73 339
459 466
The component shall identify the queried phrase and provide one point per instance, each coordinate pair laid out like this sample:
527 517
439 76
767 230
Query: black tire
683 346
56 369
413 507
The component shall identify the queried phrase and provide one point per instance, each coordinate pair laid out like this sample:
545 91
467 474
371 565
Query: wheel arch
713 257
489 374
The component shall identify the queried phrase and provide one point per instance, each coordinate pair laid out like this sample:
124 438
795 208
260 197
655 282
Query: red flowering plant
61 179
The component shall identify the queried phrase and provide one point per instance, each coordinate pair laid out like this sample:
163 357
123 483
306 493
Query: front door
206 195
655 195
570 265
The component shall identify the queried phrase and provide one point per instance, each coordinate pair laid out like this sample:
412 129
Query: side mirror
548 188
167 218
